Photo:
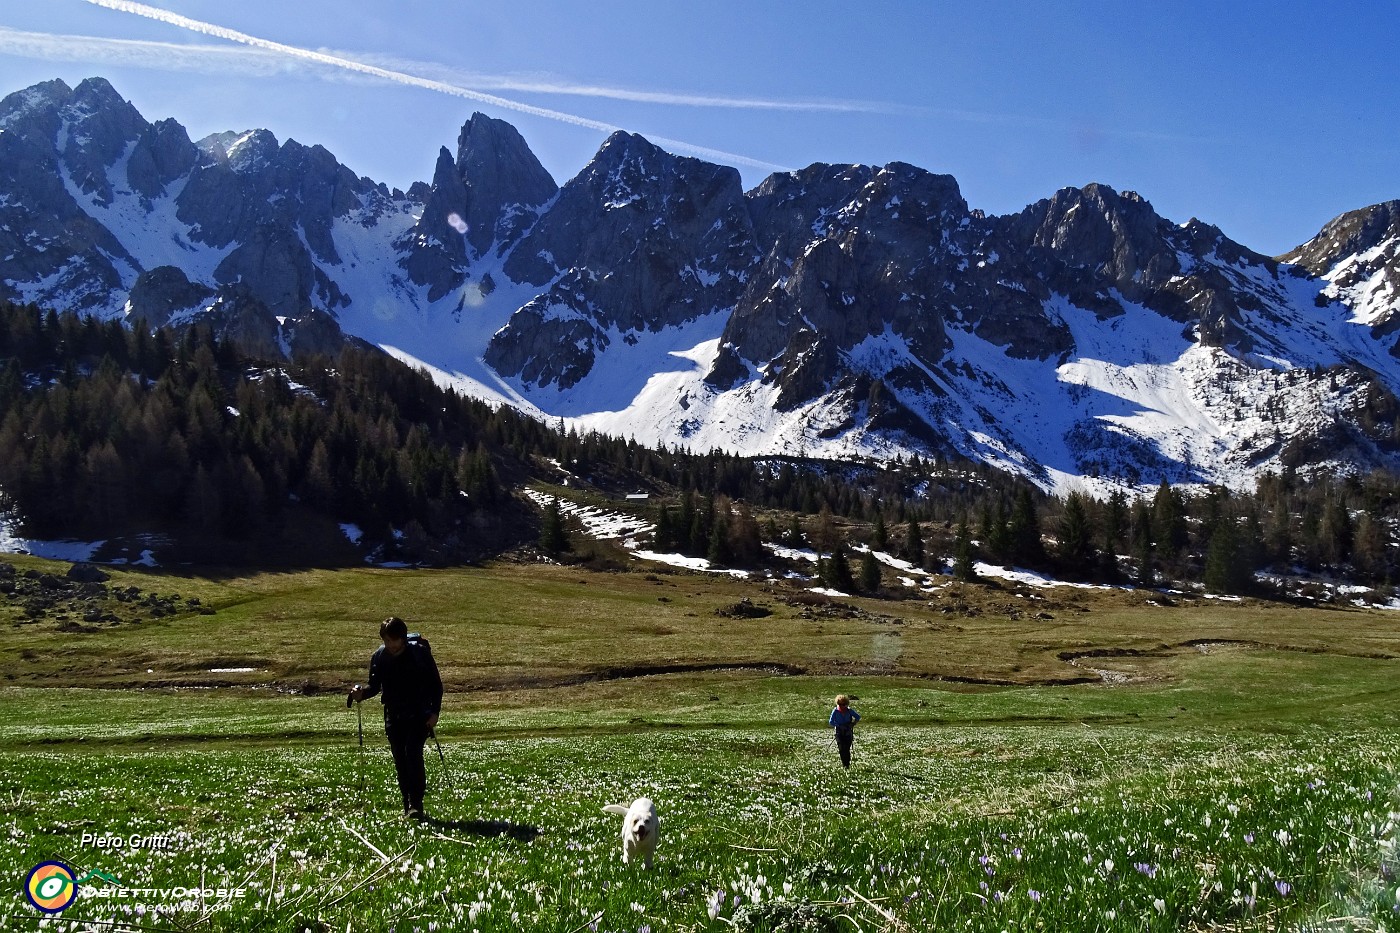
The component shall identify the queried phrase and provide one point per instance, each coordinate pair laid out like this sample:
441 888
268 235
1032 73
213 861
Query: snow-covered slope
840 311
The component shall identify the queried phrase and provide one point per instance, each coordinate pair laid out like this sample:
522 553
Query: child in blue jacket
843 720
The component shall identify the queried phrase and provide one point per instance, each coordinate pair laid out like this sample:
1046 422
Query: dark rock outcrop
640 240
163 292
487 197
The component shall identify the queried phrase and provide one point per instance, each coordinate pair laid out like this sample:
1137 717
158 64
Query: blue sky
1266 119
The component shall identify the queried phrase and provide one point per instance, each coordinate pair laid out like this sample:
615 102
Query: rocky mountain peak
1351 233
1083 226
502 179
88 127
915 194
97 94
436 248
638 241
634 199
246 152
830 284
44 98
484 199
1359 254
899 204
100 125
790 208
162 154
445 177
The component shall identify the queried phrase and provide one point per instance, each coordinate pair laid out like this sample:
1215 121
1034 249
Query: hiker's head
394 632
842 700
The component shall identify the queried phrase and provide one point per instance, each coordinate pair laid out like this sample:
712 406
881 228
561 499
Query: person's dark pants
406 740
844 739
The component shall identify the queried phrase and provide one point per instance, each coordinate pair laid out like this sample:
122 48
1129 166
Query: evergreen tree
1224 571
745 542
838 570
914 543
1023 529
1250 540
105 488
664 536
998 534
1076 542
1144 552
718 552
243 497
1369 549
1278 532
879 540
476 476
1334 533
824 532
554 539
11 385
702 523
1115 521
203 505
963 567
869 573
1142 544
794 535
1169 531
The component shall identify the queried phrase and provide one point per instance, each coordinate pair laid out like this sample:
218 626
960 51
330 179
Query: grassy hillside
1029 759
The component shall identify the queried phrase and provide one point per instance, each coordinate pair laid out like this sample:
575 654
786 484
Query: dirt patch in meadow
1119 676
625 672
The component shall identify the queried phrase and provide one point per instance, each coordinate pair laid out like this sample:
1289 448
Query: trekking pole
360 760
441 757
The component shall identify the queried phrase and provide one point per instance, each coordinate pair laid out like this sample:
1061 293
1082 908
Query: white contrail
551 84
173 56
170 56
691 100
220 32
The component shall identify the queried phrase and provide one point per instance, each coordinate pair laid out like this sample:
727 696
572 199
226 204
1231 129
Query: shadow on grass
487 828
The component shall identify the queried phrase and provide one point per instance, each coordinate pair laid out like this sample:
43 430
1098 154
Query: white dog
640 829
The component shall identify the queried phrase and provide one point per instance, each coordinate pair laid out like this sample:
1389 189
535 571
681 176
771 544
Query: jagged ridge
834 311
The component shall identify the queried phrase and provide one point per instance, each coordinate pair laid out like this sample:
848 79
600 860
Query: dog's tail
616 808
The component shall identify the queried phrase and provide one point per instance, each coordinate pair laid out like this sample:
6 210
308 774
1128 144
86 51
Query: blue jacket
843 720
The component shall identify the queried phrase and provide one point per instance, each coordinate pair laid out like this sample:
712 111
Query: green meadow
1029 759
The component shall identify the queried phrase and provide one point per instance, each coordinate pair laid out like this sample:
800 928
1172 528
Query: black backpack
420 649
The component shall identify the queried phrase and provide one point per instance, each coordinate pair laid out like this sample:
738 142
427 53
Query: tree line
107 430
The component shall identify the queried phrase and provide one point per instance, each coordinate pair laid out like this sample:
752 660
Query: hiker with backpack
404 671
